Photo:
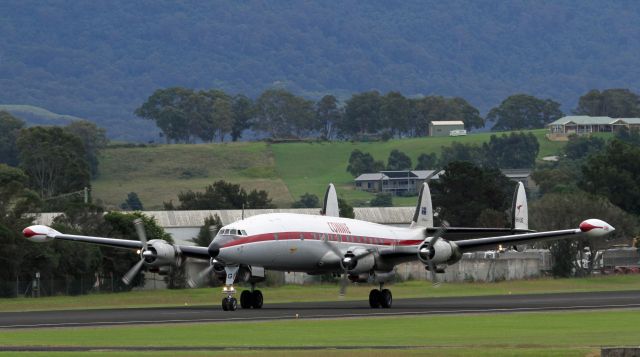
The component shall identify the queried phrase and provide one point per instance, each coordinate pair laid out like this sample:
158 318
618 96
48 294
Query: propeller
199 279
203 274
142 235
344 276
429 251
347 262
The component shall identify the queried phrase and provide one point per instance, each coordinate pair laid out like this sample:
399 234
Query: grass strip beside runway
578 331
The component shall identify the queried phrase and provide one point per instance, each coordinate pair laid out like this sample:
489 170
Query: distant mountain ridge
100 60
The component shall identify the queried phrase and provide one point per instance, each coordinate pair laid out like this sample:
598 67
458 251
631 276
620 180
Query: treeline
186 115
48 169
513 151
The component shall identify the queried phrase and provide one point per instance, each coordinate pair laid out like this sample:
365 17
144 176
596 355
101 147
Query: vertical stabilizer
330 207
520 211
423 216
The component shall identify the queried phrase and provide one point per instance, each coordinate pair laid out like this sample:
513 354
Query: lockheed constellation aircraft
320 244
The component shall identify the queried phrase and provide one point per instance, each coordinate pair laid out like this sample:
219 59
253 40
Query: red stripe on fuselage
332 237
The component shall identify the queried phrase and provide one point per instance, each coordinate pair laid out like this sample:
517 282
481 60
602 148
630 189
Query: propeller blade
344 281
432 268
142 235
128 277
199 279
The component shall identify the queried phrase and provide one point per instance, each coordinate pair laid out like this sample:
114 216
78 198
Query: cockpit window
243 232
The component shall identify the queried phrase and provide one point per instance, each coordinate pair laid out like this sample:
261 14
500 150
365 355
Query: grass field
559 333
326 292
286 171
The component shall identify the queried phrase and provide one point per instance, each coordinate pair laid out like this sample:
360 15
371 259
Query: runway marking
329 316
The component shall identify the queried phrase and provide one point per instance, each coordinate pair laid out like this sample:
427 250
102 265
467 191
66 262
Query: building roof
629 120
179 219
372 177
390 175
447 122
581 119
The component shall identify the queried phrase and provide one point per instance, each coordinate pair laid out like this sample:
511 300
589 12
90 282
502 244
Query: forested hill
102 59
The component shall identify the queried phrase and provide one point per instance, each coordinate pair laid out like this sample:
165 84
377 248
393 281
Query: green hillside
286 171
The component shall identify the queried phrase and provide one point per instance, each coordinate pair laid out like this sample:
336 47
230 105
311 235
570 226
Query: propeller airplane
357 250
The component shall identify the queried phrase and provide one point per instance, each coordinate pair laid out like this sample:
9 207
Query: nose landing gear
229 303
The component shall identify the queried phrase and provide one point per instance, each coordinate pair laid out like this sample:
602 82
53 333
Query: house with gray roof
582 124
395 182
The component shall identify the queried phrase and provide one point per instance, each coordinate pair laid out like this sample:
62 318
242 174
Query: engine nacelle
443 252
355 265
39 233
161 253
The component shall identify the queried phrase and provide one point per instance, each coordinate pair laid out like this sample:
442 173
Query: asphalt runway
334 309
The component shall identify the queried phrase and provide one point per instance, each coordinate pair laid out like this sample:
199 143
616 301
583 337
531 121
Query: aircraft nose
213 250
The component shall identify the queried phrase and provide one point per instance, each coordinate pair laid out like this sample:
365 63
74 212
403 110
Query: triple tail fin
423 216
519 210
330 207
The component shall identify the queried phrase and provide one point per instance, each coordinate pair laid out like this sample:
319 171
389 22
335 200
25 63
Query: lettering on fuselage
339 228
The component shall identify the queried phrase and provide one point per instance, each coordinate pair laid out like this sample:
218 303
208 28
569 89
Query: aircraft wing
41 233
590 227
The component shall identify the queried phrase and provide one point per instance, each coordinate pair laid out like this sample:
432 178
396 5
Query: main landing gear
251 299
380 298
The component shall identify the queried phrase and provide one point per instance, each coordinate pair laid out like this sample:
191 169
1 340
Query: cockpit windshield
233 232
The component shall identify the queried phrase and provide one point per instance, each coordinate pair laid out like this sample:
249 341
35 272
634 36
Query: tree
362 114
328 116
10 127
346 210
205 235
360 163
556 211
170 109
56 164
514 151
427 161
222 195
461 152
523 111
16 201
465 190
283 115
614 103
580 147
398 161
93 139
394 112
613 173
243 111
132 203
382 200
307 200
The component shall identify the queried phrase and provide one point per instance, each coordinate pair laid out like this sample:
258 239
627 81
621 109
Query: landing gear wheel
386 299
375 296
246 299
256 299
229 304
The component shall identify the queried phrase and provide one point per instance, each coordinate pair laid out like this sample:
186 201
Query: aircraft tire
246 299
257 299
232 304
375 296
386 299
225 306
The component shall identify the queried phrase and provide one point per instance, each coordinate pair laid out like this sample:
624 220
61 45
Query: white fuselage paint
296 242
